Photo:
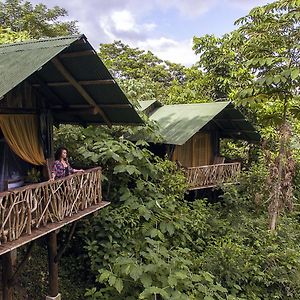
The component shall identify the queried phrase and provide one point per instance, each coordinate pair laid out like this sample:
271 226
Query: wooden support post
8 263
53 266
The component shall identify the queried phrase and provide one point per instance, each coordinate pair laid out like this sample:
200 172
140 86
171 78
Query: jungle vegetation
151 243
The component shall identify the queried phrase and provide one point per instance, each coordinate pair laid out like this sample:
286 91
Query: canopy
69 73
179 122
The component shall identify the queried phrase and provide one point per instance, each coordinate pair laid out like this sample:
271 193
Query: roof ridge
35 41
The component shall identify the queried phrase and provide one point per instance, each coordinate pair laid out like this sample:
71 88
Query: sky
165 27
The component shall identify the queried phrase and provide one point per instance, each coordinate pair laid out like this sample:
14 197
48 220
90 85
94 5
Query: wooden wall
197 151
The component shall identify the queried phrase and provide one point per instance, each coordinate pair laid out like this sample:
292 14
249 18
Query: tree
222 65
39 21
141 74
132 63
196 88
268 40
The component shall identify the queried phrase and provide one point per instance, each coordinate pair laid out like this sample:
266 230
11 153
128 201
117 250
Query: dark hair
59 152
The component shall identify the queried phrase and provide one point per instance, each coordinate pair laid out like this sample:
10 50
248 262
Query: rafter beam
74 111
78 53
47 92
68 76
121 105
51 95
82 82
221 128
237 132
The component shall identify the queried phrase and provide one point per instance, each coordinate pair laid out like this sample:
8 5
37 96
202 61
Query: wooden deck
209 176
39 232
29 212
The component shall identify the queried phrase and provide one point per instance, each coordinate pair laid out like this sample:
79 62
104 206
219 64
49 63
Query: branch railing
33 206
212 175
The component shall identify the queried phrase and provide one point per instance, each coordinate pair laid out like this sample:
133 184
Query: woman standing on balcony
61 167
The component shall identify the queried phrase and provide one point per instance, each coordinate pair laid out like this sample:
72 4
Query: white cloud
123 21
170 49
189 8
123 25
107 20
247 4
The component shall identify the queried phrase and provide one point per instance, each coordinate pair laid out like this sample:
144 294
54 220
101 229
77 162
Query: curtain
21 132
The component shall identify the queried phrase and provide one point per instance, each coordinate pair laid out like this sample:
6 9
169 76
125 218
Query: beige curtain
21 132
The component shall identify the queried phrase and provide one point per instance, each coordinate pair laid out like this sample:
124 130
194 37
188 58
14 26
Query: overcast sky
166 27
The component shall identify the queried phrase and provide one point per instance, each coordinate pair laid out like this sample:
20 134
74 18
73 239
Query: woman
61 167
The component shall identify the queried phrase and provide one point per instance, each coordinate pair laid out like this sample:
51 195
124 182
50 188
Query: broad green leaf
146 280
295 73
119 285
172 280
104 276
112 279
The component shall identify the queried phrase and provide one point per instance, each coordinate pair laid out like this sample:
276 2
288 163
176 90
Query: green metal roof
179 122
32 61
146 104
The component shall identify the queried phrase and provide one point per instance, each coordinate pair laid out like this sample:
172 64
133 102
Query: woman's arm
53 172
71 170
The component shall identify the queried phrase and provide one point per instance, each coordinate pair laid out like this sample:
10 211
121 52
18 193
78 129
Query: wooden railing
212 175
33 206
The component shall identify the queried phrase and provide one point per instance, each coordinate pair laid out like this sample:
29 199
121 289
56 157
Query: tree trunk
275 204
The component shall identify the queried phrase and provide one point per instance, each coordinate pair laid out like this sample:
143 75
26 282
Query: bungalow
44 82
191 136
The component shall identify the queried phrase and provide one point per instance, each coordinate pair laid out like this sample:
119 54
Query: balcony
31 211
212 175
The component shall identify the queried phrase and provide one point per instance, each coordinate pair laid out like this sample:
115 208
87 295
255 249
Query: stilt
53 267
8 263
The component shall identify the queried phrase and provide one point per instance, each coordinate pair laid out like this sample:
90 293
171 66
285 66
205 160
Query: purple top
60 171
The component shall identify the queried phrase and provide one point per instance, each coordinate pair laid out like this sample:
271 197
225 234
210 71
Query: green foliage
132 63
254 264
150 243
236 150
196 88
141 74
33 176
32 282
38 21
141 244
141 89
9 36
162 272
